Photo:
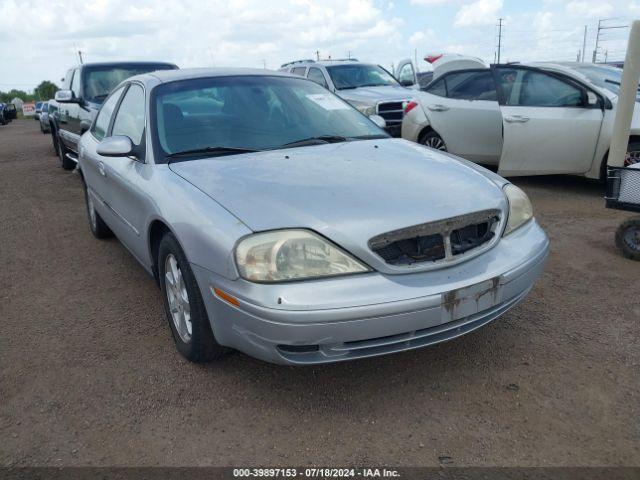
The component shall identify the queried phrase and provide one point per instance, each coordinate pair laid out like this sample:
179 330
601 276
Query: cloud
481 12
431 2
589 8
192 33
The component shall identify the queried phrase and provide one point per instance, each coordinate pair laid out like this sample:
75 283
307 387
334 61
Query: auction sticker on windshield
328 102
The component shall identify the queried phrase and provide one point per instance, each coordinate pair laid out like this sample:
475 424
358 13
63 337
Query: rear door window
471 85
299 71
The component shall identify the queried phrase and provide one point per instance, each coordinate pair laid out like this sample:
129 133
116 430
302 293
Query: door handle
101 169
516 119
438 108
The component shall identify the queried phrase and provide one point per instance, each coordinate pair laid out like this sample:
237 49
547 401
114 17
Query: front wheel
99 229
433 140
184 305
628 238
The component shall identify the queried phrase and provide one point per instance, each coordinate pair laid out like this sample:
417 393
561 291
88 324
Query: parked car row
280 220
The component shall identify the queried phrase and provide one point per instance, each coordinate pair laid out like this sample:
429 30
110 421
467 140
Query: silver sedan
280 221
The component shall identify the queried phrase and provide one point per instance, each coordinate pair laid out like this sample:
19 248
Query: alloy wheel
435 143
178 299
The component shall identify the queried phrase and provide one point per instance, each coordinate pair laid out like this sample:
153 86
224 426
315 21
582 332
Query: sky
40 38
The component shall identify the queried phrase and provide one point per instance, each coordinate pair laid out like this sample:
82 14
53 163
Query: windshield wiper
211 150
370 137
321 139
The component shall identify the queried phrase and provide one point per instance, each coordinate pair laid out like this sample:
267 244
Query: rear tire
184 306
432 140
628 238
67 164
98 228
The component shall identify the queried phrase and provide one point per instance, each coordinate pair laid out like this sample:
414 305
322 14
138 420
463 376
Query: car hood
373 95
348 192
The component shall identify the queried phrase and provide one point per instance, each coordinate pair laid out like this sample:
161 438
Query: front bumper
373 314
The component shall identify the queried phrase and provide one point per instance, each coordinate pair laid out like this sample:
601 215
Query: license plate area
466 301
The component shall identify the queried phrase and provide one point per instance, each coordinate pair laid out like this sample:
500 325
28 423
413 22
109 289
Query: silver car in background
280 221
43 118
368 87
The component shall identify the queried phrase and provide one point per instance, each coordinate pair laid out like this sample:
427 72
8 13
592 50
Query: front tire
432 140
98 228
628 238
184 306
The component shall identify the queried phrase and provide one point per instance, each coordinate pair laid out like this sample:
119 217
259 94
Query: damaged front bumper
372 314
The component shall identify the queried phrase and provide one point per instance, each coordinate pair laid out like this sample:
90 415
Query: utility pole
415 59
349 54
584 43
80 56
601 27
318 54
595 50
499 38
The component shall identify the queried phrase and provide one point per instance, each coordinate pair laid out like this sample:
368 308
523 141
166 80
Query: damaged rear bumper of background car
372 314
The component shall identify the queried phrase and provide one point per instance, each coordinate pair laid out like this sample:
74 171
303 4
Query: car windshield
359 75
605 77
252 113
100 81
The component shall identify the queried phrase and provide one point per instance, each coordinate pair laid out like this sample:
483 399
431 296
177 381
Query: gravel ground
89 374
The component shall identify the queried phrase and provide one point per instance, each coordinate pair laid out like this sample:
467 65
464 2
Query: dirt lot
89 374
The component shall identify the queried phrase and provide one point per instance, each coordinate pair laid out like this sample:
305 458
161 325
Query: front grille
443 240
392 112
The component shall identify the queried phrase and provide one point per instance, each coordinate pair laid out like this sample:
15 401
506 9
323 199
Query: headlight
284 255
520 209
367 110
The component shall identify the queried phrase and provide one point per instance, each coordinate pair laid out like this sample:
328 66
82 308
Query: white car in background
525 119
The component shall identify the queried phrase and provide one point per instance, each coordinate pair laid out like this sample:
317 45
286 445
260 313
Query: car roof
165 76
122 63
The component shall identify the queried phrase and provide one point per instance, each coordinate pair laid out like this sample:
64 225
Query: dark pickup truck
84 89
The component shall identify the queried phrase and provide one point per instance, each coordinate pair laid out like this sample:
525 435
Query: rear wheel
432 140
184 305
628 238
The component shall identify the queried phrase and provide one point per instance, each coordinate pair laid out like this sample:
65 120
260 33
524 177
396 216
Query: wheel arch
603 163
157 229
426 130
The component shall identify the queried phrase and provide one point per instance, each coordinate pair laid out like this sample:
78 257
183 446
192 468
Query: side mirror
592 99
406 82
116 146
64 96
378 120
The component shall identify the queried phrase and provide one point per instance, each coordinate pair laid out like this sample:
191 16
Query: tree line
45 91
